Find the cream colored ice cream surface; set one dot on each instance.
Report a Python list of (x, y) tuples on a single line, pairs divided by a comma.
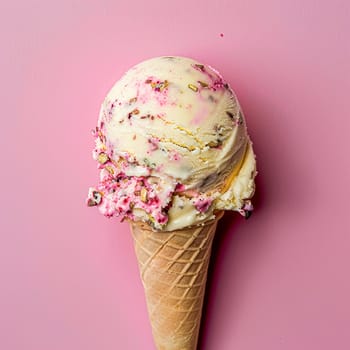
[(172, 146)]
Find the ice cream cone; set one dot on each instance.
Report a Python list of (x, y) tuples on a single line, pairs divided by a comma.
[(173, 267), (172, 147)]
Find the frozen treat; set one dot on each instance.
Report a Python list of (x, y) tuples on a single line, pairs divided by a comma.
[(174, 153)]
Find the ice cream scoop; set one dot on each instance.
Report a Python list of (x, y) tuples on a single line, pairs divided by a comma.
[(172, 147)]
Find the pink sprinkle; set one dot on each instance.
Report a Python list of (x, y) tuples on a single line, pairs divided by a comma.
[(202, 204), (248, 206), (180, 187), (174, 155), (154, 142), (222, 35)]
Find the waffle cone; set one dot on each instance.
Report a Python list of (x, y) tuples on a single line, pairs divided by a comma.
[(173, 267)]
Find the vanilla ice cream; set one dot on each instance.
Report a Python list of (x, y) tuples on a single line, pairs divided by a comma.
[(172, 146)]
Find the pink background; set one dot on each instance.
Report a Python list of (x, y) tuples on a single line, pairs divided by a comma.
[(68, 276)]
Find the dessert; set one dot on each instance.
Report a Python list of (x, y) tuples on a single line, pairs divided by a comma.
[(173, 152)]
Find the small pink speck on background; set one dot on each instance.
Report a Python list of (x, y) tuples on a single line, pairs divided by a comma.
[(222, 35)]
